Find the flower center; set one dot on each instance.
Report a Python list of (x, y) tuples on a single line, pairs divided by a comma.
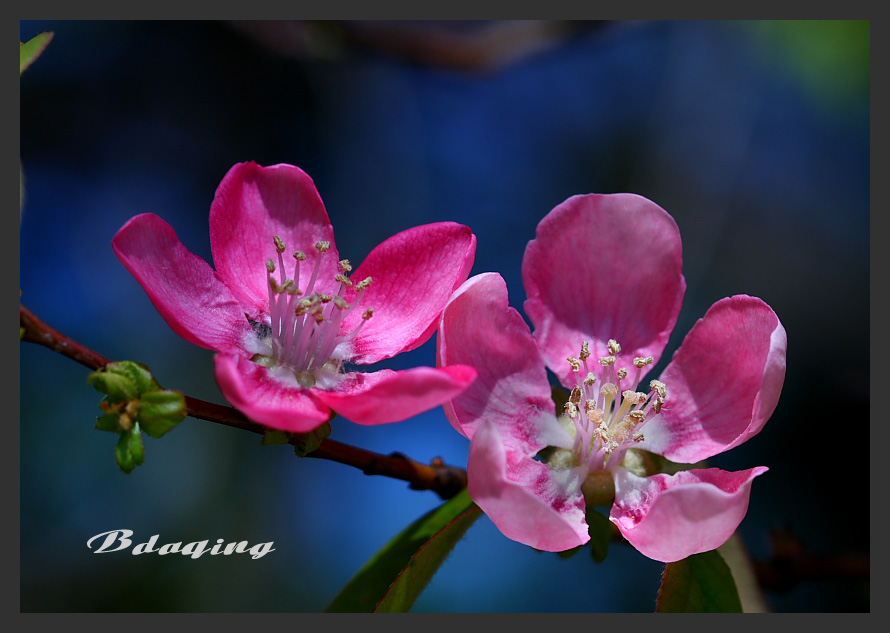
[(607, 412), (304, 325)]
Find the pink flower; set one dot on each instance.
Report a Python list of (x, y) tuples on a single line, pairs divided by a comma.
[(288, 317), (604, 285)]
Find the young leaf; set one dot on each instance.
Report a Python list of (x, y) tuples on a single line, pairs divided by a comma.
[(701, 583), (30, 50), (372, 582)]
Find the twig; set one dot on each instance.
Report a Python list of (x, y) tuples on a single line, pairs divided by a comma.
[(444, 480)]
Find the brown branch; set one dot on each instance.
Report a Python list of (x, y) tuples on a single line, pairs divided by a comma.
[(445, 480)]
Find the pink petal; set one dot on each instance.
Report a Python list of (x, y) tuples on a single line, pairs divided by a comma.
[(723, 383), (392, 396), (269, 397), (414, 273), (183, 288), (670, 517), (480, 329), (252, 205), (527, 501), (601, 267)]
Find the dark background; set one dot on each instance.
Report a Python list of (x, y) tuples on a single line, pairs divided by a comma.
[(754, 136)]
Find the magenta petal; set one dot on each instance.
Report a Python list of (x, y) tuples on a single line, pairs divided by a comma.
[(723, 383), (414, 273), (272, 398), (601, 267), (183, 288), (670, 517), (527, 501), (252, 205), (480, 329), (392, 396)]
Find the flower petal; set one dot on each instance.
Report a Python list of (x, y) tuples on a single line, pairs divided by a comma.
[(527, 501), (480, 329), (723, 382), (601, 267), (183, 288), (414, 273), (252, 205), (392, 396), (272, 398), (670, 517)]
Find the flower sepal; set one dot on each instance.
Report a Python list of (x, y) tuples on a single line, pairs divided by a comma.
[(129, 451)]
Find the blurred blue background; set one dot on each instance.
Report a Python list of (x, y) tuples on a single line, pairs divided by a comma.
[(754, 136)]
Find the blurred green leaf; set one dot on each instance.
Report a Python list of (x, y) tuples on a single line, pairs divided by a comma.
[(30, 50), (119, 388), (129, 450), (600, 530), (396, 575), (701, 583), (305, 443), (138, 373)]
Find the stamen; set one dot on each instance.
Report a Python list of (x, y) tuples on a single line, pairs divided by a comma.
[(614, 347), (585, 351), (575, 363), (345, 266)]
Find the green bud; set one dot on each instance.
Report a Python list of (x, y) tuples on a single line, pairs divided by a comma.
[(305, 443), (119, 388), (129, 450), (160, 411), (136, 372)]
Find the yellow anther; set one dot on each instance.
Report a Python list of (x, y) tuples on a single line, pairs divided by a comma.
[(340, 302), (585, 351), (343, 279), (614, 347), (368, 314), (637, 417), (622, 373), (575, 397), (590, 379), (363, 284), (322, 246), (575, 363), (571, 410), (279, 245), (641, 362), (659, 387), (345, 266), (605, 361), (270, 265), (656, 407), (634, 397), (300, 256), (323, 298)]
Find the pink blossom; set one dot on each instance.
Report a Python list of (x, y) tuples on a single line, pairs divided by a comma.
[(288, 317), (604, 284)]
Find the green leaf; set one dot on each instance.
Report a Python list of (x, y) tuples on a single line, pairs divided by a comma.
[(30, 50), (272, 437), (600, 530), (396, 575), (160, 411), (701, 583), (109, 422)]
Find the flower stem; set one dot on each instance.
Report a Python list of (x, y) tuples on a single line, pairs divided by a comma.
[(444, 480)]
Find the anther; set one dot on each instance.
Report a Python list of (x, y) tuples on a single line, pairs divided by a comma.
[(614, 347), (640, 362), (571, 410), (368, 314), (279, 245), (322, 246), (659, 387), (585, 351), (270, 266), (634, 397), (590, 379), (608, 389), (345, 266), (300, 256), (363, 284), (340, 302), (343, 279), (622, 373), (575, 397), (605, 361), (574, 362)]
